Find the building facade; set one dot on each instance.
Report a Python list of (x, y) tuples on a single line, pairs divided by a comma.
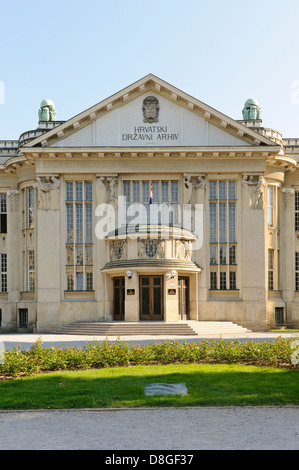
[(149, 206)]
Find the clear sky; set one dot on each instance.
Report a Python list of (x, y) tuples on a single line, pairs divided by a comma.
[(79, 52)]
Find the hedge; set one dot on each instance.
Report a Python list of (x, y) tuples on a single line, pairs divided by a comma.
[(278, 353)]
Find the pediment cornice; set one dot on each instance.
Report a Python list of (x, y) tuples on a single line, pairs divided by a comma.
[(164, 89)]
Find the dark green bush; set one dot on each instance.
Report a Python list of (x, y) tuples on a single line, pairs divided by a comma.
[(104, 354)]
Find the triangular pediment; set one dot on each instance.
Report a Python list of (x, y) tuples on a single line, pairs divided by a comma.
[(150, 113)]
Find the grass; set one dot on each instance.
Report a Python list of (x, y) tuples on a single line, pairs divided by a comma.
[(208, 385)]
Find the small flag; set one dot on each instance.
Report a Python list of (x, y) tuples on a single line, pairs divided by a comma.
[(151, 194)]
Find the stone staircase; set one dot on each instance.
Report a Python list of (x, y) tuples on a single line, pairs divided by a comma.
[(188, 328), (217, 328)]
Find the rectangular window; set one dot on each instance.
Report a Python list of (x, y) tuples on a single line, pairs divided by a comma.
[(232, 280), (30, 208), (270, 194), (213, 280), (271, 269), (297, 272), (297, 211), (222, 280), (79, 236), (164, 208), (223, 239), (31, 272), (3, 272), (3, 213)]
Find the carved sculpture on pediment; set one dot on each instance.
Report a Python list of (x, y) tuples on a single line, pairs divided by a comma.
[(255, 185), (47, 192)]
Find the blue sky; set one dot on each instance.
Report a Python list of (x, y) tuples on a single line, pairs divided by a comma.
[(78, 53)]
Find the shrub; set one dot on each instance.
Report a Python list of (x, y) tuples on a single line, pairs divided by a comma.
[(104, 354)]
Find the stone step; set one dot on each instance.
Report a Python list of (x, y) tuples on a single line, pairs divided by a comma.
[(191, 328)]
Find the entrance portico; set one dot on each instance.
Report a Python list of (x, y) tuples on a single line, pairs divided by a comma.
[(152, 276)]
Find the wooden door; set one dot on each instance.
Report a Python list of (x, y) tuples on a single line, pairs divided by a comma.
[(151, 298)]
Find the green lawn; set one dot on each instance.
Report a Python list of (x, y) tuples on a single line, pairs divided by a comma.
[(208, 385)]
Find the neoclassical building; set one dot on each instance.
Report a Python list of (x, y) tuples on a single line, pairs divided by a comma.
[(149, 206)]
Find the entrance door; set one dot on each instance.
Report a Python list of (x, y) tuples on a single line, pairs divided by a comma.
[(183, 285), (119, 298), (151, 298)]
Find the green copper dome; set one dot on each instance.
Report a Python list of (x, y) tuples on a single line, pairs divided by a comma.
[(251, 102), (49, 103)]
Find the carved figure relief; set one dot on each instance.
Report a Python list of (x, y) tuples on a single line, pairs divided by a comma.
[(183, 250), (255, 186), (47, 192), (194, 183), (151, 109), (106, 190)]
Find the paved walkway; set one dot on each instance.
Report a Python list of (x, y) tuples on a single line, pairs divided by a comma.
[(227, 428)]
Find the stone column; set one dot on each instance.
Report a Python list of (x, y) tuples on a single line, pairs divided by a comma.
[(288, 245)]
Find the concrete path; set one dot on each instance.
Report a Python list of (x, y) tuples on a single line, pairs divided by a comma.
[(235, 428)]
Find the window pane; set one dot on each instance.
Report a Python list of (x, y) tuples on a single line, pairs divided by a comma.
[(89, 257), (145, 192), (69, 191), (222, 223), (79, 278), (222, 190), (222, 255), (88, 191), (174, 191), (232, 190), (127, 191), (222, 281), (213, 223), (88, 223), (213, 281), (165, 197), (89, 281), (213, 255), (69, 223), (79, 223), (79, 191), (3, 204), (232, 222), (70, 281), (156, 191), (232, 254), (213, 194), (232, 280), (136, 191)]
